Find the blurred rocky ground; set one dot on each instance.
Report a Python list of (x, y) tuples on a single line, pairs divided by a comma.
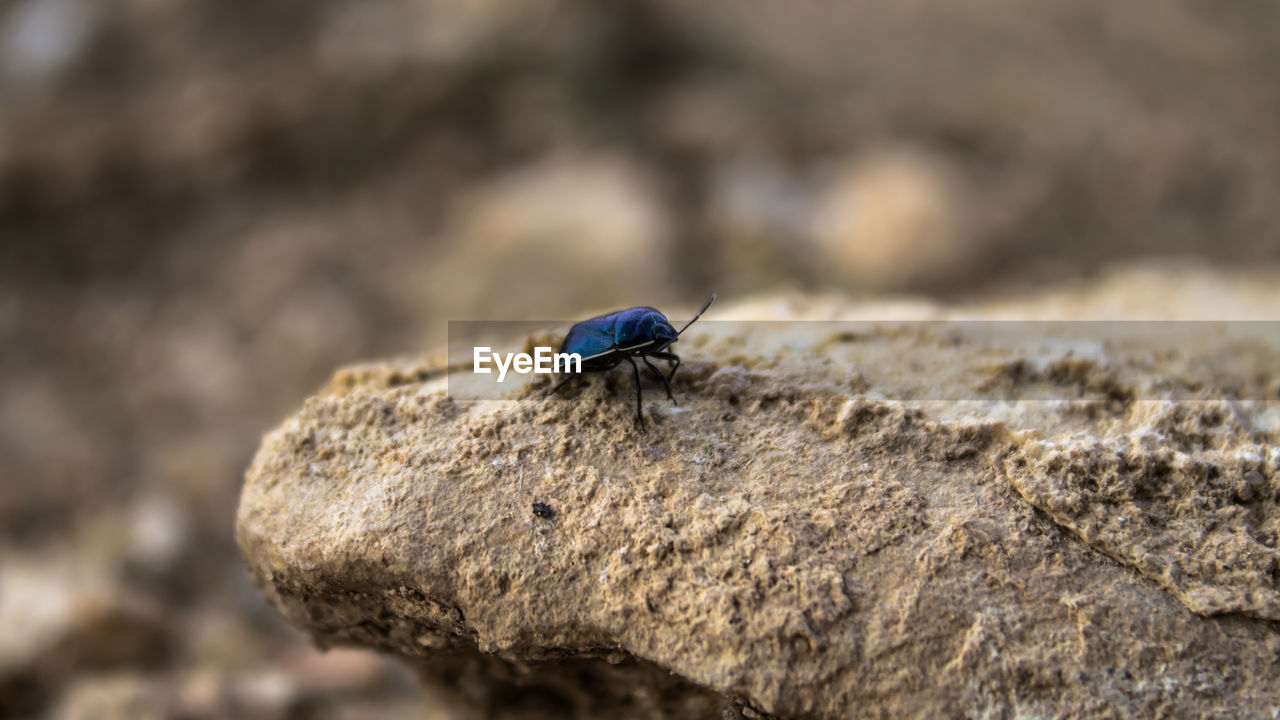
[(206, 205)]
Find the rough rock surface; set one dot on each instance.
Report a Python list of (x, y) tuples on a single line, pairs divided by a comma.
[(901, 519)]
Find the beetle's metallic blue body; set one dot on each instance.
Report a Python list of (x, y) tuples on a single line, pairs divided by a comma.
[(603, 342)]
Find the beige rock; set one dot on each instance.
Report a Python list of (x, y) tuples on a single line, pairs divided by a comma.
[(63, 617), (894, 219), (596, 223), (1040, 528), (113, 697)]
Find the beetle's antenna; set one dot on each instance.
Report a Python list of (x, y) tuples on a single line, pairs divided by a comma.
[(695, 317)]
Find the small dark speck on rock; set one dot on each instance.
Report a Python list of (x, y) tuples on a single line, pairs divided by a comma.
[(543, 510)]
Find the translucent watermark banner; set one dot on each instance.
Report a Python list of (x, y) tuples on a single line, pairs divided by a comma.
[(934, 360)]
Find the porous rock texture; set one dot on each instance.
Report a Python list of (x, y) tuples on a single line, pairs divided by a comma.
[(899, 520)]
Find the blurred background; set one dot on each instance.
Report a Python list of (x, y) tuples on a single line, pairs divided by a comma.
[(208, 205)]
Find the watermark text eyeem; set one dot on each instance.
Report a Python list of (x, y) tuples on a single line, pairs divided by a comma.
[(543, 361)]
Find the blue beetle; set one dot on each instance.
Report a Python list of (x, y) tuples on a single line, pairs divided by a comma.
[(643, 332)]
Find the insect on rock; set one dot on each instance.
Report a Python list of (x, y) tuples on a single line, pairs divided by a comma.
[(640, 332)]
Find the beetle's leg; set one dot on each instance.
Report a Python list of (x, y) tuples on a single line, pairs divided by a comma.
[(635, 370), (671, 357), (662, 377), (560, 384)]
